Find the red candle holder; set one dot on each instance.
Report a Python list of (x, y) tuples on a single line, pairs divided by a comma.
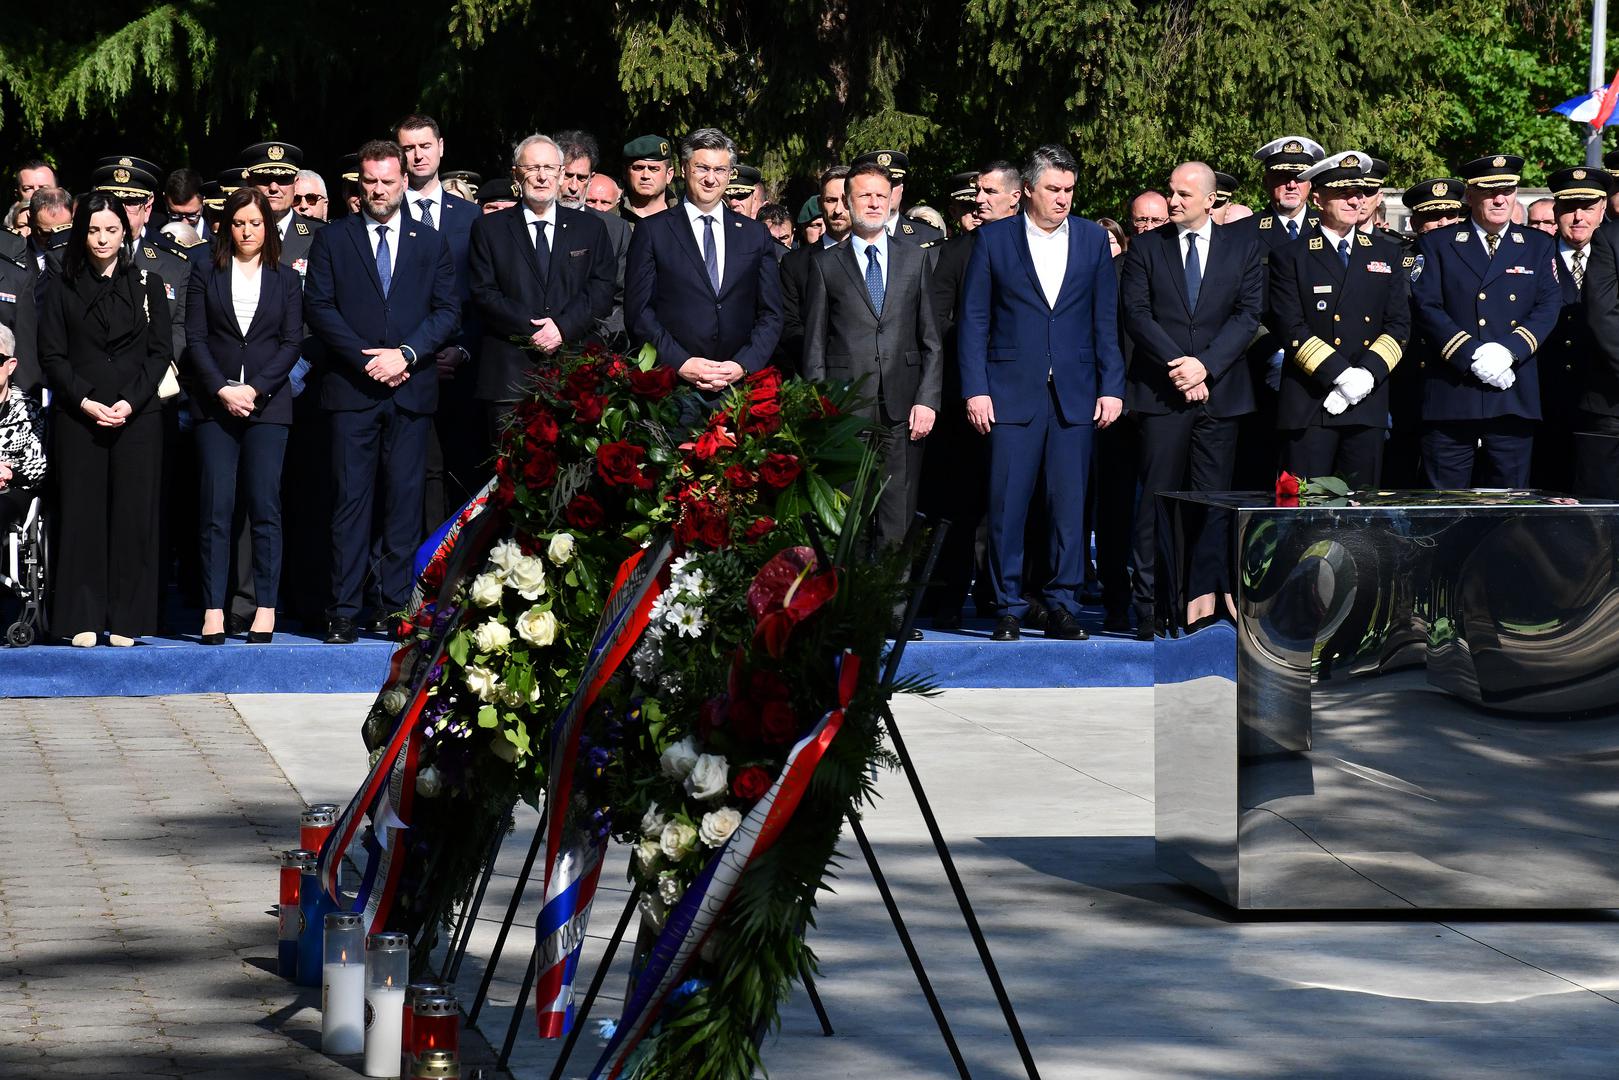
[(435, 1025), (413, 993), (315, 824)]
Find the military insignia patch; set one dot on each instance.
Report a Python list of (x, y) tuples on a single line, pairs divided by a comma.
[(884, 159), (125, 161), (906, 229), (275, 153), (1321, 305), (1439, 189), (120, 176), (168, 290), (1293, 146), (1365, 241), (1316, 243), (1499, 163), (303, 230), (1579, 174), (1266, 222), (1379, 267), (1349, 161), (8, 298), (663, 149), (1414, 263), (1517, 238), (1322, 289), (150, 253), (300, 265), (1461, 237)]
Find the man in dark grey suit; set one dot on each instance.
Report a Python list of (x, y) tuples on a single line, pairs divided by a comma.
[(869, 314)]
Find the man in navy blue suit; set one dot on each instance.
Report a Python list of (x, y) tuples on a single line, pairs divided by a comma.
[(381, 297), (455, 453), (1038, 345), (701, 282)]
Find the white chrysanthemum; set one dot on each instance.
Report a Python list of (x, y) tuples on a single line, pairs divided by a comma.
[(678, 567), (659, 609)]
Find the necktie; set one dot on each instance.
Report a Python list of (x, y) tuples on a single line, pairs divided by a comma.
[(385, 269), (874, 279), (1579, 269), (1194, 270), (1292, 229), (427, 212), (1492, 241), (542, 250), (711, 253), (1343, 252)]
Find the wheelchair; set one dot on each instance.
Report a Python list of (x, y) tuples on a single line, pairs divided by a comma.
[(24, 572)]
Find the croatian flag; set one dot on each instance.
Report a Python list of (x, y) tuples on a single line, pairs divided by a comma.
[(1595, 108)]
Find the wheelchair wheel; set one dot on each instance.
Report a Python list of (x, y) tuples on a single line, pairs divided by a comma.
[(19, 635)]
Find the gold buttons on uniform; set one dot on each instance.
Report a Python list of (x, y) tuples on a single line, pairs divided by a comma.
[(1368, 318), (1335, 318), (1337, 341), (1366, 343)]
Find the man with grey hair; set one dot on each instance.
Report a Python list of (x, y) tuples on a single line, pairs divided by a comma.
[(309, 195), (1188, 383), (702, 285), (1040, 371)]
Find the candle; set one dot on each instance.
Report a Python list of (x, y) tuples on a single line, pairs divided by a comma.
[(435, 1025), (387, 967), (413, 992), (292, 865), (437, 1065), (315, 824), (313, 905), (342, 985)]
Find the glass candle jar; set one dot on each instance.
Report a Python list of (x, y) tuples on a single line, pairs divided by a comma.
[(342, 984), (437, 1065), (292, 867), (313, 905), (315, 824), (387, 969), (435, 1024), (415, 991)]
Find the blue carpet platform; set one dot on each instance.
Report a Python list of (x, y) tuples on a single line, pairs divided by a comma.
[(301, 665)]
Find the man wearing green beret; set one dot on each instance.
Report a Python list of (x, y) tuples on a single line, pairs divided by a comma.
[(648, 170)]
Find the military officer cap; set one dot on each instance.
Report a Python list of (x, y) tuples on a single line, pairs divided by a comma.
[(1345, 169), (964, 188), (1377, 171), (1580, 184), (1610, 161), (280, 160), (810, 210), (130, 161), (1495, 171), (894, 161), (1290, 153), (124, 181), (647, 148), (1225, 186), (231, 179), (1432, 196), (743, 177), (348, 167), (466, 176), (213, 196), (500, 189)]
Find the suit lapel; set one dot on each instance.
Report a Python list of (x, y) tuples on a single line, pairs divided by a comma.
[(1070, 271), (267, 294), (1028, 257), (1325, 255), (1498, 265), (1171, 240), (687, 239), (519, 228), (1466, 241), (362, 244), (1213, 252), (219, 285), (731, 222), (844, 253)]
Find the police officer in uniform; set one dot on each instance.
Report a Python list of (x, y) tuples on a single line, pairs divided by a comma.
[(1225, 188), (897, 164), (746, 193), (962, 207), (18, 312), (1486, 299), (273, 167), (1581, 195), (1434, 204), (648, 168), (1341, 302)]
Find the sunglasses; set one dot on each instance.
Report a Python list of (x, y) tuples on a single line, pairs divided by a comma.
[(312, 198), (180, 215)]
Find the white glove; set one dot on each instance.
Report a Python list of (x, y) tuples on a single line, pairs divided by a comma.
[(1336, 403), (1492, 363), (1355, 383)]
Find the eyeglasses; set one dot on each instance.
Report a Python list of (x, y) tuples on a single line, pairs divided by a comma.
[(1148, 221), (711, 170), (192, 216), (313, 198), (539, 170)]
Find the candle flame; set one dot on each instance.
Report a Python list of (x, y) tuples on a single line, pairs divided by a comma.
[(387, 980), (343, 956)]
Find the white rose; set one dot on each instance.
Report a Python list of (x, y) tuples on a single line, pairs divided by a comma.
[(428, 783), (646, 855), (717, 826), (652, 822), (669, 888), (709, 777), (528, 578), (492, 637), (677, 839), (560, 549), (677, 761), (486, 590), (393, 701), (483, 682), (537, 627), (504, 556), (502, 747)]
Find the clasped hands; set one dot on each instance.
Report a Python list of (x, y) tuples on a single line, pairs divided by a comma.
[(238, 399), (1492, 365), (387, 366), (1188, 375), (711, 375), (112, 415), (546, 336), (1349, 389)]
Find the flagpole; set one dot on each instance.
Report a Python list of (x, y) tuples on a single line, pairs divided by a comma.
[(1599, 79)]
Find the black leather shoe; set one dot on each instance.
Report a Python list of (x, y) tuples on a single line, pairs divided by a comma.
[(341, 632), (1064, 627), (1035, 618), (260, 637), (212, 639), (947, 622), (1203, 624), (1006, 629)]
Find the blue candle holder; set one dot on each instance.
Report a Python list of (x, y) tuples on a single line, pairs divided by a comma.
[(313, 906)]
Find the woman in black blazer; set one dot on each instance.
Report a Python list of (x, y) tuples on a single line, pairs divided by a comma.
[(244, 326), (104, 345)]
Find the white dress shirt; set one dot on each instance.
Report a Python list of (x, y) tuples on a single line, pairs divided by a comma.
[(371, 234), (550, 219), (1332, 238), (879, 244), (1297, 217), (695, 216), (244, 291), (1203, 232), (285, 223), (1482, 232), (434, 198), (1566, 252), (1049, 250)]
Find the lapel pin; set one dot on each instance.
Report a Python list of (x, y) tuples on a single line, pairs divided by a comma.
[(1461, 238), (1321, 305)]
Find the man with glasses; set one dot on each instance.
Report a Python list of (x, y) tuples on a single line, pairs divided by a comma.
[(182, 201), (1148, 211), (309, 195), (648, 172), (580, 156)]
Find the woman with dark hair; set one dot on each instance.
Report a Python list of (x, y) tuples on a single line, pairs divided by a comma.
[(104, 345), (1117, 239), (244, 326)]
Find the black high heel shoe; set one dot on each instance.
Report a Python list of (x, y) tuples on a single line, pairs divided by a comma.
[(212, 639), (260, 637)]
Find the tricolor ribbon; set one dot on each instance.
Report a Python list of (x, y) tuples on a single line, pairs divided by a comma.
[(694, 918), (574, 850)]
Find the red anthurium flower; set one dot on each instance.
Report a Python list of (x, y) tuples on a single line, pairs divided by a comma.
[(787, 590)]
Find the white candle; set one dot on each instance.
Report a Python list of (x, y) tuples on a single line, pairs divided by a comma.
[(342, 1008), (384, 1029)]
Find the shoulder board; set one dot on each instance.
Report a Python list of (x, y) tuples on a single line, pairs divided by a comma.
[(1317, 243), (1365, 241), (178, 254), (303, 230), (1266, 222), (929, 243)]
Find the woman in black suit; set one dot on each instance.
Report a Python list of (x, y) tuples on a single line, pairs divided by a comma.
[(244, 325), (104, 345)]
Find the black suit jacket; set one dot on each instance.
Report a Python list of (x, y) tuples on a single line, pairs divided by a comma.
[(794, 284), (296, 244), (345, 307), (106, 340), (1155, 314), (1599, 385), (897, 353), (949, 269), (509, 292), (217, 351), (670, 303), (618, 235), (19, 307)]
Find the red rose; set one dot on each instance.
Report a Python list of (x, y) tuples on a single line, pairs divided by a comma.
[(658, 383), (715, 533), (1287, 485), (617, 368), (583, 512), (751, 783), (539, 467), (505, 492), (780, 470), (827, 408), (542, 426), (619, 464), (763, 385), (587, 408), (760, 529), (739, 477), (764, 417), (778, 723)]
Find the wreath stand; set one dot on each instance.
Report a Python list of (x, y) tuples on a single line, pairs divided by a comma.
[(463, 931)]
